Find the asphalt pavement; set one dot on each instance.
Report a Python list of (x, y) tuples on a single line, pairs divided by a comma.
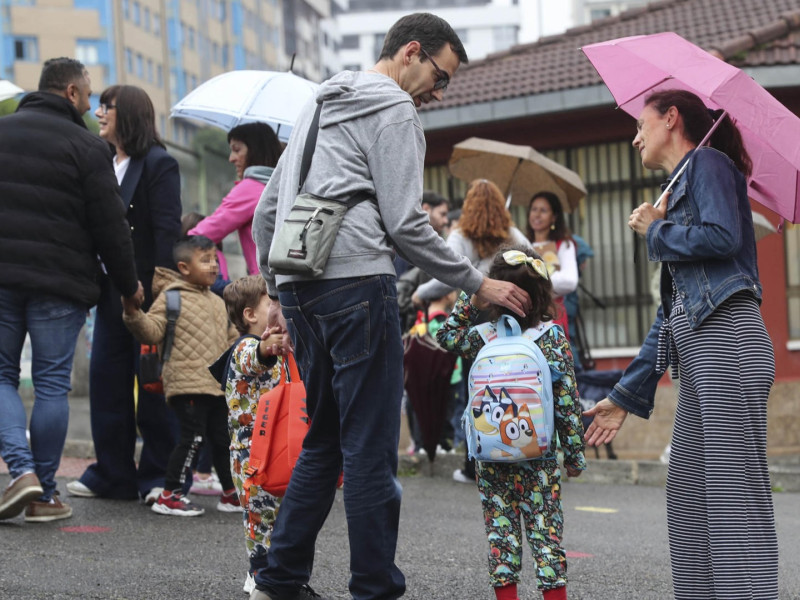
[(615, 536)]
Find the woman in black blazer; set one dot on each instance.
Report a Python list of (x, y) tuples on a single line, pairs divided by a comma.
[(150, 188)]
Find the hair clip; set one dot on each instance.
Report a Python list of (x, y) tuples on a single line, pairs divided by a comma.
[(515, 258)]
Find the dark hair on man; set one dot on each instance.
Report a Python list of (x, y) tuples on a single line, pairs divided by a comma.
[(186, 246), (434, 199), (136, 119), (430, 31), (263, 146), (539, 289), (58, 73), (560, 232), (245, 292), (698, 119)]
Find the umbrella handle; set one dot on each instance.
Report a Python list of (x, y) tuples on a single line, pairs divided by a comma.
[(683, 168)]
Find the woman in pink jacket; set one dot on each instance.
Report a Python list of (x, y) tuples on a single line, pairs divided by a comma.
[(255, 150)]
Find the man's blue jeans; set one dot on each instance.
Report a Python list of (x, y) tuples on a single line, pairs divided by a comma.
[(346, 334), (53, 324)]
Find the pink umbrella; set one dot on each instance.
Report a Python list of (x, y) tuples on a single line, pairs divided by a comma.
[(635, 66)]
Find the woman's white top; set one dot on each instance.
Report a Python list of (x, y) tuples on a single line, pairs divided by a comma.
[(121, 167)]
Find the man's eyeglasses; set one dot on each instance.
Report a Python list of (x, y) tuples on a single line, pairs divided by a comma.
[(104, 108), (442, 78)]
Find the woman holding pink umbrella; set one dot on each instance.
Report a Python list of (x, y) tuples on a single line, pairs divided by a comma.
[(709, 328)]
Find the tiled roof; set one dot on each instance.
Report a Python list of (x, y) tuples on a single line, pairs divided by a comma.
[(743, 32)]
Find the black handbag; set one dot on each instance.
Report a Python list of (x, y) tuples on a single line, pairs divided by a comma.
[(150, 363)]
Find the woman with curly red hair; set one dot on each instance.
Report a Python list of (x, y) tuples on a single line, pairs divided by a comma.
[(484, 226)]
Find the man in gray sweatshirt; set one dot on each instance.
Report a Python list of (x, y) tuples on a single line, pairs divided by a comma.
[(344, 325)]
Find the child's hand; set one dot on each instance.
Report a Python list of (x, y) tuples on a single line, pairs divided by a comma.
[(272, 342), (572, 471)]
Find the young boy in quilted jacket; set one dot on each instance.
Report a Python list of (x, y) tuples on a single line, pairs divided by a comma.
[(202, 333), (250, 369)]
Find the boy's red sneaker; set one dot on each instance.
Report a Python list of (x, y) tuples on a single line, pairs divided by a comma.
[(176, 505), (229, 502)]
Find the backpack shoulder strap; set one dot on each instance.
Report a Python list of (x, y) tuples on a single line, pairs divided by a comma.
[(534, 333), (173, 311)]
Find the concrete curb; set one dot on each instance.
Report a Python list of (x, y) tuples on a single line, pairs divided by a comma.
[(784, 474)]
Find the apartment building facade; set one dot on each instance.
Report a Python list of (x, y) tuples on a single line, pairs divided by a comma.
[(167, 47)]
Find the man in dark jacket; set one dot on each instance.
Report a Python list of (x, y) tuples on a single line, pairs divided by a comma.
[(60, 209)]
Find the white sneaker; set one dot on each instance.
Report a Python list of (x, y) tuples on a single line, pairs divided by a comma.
[(76, 488), (249, 584), (458, 475), (208, 486), (153, 495)]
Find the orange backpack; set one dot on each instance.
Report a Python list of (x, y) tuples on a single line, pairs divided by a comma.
[(279, 429)]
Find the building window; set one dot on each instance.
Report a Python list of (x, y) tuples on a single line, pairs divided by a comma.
[(137, 13), (791, 236), (163, 121), (128, 60), (463, 35), (87, 52), (126, 9), (599, 13), (146, 19), (140, 66), (352, 67), (350, 42), (26, 49), (156, 24), (160, 76), (504, 37), (149, 70), (225, 55), (215, 52), (191, 40)]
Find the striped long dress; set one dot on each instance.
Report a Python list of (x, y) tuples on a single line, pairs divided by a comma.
[(719, 500)]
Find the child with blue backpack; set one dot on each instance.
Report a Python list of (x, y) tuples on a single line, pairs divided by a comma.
[(521, 392)]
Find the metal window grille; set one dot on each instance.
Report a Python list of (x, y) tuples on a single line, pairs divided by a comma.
[(616, 183)]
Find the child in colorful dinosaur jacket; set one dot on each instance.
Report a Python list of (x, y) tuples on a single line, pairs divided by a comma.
[(511, 492), (250, 369)]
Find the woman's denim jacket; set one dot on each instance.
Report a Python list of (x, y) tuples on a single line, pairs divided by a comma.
[(707, 246)]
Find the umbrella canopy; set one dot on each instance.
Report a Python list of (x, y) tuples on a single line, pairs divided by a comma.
[(519, 171), (428, 369), (8, 90), (238, 97), (635, 66)]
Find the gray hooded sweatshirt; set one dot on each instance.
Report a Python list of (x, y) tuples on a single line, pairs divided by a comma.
[(370, 138)]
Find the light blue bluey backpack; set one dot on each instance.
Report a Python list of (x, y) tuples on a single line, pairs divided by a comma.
[(510, 416)]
